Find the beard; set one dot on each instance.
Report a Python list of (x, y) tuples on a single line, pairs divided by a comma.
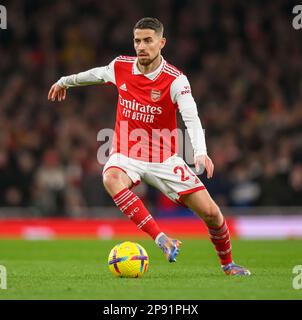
[(146, 61)]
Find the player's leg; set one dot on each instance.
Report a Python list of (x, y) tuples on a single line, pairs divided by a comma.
[(203, 205), (118, 184), (178, 182), (115, 180), (169, 246)]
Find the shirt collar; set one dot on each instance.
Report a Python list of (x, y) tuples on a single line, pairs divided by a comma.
[(152, 75)]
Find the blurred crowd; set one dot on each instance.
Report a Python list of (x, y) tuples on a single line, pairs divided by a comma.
[(243, 60)]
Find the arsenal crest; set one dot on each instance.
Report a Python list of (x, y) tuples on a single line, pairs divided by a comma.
[(155, 95)]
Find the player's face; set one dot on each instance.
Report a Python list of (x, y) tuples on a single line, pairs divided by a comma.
[(147, 44)]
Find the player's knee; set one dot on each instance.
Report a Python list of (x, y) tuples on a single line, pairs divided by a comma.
[(111, 180), (211, 213)]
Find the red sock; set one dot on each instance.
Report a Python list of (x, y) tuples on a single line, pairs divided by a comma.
[(131, 205), (220, 237)]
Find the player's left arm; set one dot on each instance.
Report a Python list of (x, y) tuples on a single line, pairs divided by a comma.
[(181, 94)]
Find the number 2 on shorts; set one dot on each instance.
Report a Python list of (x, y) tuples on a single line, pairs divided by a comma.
[(182, 170)]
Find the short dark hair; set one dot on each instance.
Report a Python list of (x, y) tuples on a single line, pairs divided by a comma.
[(150, 23)]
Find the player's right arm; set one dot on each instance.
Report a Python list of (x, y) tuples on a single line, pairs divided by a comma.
[(90, 77)]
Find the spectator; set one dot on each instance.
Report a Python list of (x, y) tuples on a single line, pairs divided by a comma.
[(244, 63)]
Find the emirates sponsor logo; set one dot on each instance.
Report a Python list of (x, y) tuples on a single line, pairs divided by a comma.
[(155, 95), (136, 106)]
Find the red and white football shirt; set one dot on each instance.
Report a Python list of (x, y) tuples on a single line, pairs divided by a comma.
[(146, 115), (146, 127)]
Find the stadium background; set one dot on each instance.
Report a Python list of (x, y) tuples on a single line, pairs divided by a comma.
[(243, 60)]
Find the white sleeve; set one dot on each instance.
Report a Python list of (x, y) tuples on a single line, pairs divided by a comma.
[(181, 94), (93, 76)]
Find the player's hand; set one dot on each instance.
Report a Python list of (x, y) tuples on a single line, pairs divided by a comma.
[(56, 92), (206, 162)]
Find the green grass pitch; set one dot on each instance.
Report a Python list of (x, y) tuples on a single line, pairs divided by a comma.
[(77, 269)]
